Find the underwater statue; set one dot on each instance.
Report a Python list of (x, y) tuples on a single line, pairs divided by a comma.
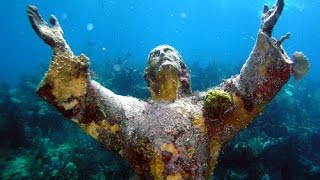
[(176, 134)]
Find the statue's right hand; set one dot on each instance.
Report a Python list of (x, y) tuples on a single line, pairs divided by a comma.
[(50, 35)]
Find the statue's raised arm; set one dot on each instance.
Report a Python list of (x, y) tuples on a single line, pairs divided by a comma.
[(266, 70), (68, 87)]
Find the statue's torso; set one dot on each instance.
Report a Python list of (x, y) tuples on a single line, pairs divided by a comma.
[(169, 140)]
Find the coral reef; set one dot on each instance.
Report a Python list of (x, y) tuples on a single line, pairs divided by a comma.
[(217, 103), (38, 144), (278, 145)]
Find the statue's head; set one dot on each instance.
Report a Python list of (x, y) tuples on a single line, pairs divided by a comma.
[(166, 74)]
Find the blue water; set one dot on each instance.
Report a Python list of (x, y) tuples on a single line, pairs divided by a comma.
[(201, 31)]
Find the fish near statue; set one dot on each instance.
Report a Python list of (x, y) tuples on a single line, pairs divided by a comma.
[(176, 134)]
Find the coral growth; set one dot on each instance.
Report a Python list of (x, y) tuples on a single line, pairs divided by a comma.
[(217, 103), (301, 65)]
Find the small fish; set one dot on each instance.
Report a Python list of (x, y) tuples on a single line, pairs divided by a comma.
[(92, 43), (288, 92)]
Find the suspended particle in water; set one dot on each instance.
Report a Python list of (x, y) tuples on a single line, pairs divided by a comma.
[(104, 49), (89, 26), (183, 15), (64, 15)]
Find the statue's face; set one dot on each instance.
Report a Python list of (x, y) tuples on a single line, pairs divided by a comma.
[(165, 73), (165, 57)]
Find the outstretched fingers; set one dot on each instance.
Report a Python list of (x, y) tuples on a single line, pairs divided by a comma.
[(271, 16), (35, 19), (50, 35), (55, 24), (265, 8)]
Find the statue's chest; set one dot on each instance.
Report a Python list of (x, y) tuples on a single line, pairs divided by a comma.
[(172, 137), (172, 122)]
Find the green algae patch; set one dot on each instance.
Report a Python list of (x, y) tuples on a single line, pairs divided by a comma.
[(217, 103)]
